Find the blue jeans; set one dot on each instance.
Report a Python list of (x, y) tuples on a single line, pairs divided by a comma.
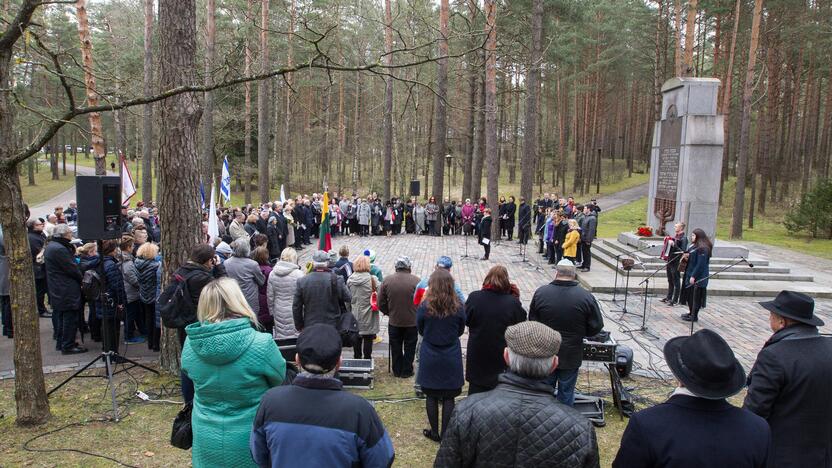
[(564, 381)]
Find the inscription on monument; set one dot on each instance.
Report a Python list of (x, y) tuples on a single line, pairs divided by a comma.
[(667, 180)]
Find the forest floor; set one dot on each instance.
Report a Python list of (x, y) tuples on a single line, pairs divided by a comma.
[(768, 227), (80, 411)]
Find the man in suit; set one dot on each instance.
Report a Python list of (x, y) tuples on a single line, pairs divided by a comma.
[(697, 427), (789, 384)]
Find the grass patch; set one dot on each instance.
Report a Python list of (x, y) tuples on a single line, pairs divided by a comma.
[(45, 188), (141, 438), (768, 227)]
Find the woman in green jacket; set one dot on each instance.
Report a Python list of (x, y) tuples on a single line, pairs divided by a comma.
[(232, 365)]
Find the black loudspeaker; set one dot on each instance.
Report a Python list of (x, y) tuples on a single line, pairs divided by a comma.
[(624, 360), (99, 207), (415, 187)]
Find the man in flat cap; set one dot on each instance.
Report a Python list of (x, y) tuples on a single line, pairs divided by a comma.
[(790, 382), (697, 427), (520, 423), (313, 422)]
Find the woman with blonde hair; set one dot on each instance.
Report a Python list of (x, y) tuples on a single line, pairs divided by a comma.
[(362, 284), (231, 365), (146, 265), (570, 243), (440, 320), (280, 294)]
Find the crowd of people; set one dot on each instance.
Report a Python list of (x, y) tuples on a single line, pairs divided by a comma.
[(263, 337)]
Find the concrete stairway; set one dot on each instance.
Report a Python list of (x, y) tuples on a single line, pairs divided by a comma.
[(763, 280)]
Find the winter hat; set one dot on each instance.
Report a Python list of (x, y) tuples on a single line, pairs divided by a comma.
[(223, 248), (372, 254), (533, 340), (403, 263)]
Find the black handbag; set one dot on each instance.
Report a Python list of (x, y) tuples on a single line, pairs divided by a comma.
[(182, 436), (347, 325)]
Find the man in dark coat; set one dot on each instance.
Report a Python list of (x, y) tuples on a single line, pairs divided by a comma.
[(315, 300), (524, 220), (697, 427), (485, 233), (589, 226), (64, 285), (37, 240), (510, 212), (789, 384), (395, 299), (520, 423), (569, 309)]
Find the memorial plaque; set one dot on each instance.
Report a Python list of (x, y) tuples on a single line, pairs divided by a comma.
[(667, 179)]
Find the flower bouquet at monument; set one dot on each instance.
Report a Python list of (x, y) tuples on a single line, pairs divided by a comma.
[(644, 231)]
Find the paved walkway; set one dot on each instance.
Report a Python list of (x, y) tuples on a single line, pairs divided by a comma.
[(741, 321), (62, 199), (614, 200)]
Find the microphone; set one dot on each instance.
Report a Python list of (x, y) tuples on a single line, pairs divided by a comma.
[(750, 265)]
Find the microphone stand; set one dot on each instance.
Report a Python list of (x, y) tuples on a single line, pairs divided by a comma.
[(646, 297), (615, 281), (726, 267)]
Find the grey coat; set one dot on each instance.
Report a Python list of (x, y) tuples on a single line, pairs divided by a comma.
[(432, 211), (364, 214), (131, 278), (248, 275), (361, 287), (280, 293), (419, 216), (589, 225)]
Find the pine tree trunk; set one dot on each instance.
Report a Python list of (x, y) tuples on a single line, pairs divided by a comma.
[(745, 123), (208, 112), (440, 145), (690, 37), (726, 99), (31, 402), (97, 134), (388, 101), (178, 152), (479, 154), (473, 92), (263, 108), (492, 155), (530, 150), (147, 109)]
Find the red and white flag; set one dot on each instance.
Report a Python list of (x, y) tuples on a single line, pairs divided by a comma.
[(128, 189)]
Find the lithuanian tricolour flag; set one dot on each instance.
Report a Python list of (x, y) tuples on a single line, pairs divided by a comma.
[(325, 242)]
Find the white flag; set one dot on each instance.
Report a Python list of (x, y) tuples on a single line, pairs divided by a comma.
[(225, 181), (213, 226), (282, 194), (127, 187)]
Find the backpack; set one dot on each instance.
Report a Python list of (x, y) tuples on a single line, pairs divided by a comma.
[(176, 308), (92, 286)]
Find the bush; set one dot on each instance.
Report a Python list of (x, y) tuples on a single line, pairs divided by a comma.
[(813, 213)]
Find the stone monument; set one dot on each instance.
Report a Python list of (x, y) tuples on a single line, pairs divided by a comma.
[(686, 157)]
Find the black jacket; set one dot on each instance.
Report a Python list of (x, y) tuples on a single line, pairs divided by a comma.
[(789, 387), (691, 432), (510, 210), (675, 254), (276, 232), (561, 229), (519, 423), (568, 308), (485, 229), (115, 286), (36, 243), (524, 216), (487, 315), (63, 278), (197, 277)]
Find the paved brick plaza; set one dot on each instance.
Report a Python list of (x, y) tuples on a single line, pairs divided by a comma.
[(740, 320)]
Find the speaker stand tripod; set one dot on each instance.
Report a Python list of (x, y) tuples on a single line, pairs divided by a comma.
[(110, 360), (465, 256)]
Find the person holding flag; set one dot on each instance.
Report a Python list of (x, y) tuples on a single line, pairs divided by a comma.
[(324, 235)]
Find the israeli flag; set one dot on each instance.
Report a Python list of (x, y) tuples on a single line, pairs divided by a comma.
[(225, 182)]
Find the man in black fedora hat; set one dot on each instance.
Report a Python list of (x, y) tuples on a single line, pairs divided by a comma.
[(789, 384), (697, 427)]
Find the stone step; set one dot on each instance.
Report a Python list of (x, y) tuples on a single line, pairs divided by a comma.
[(601, 280), (623, 249), (737, 272), (653, 263)]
